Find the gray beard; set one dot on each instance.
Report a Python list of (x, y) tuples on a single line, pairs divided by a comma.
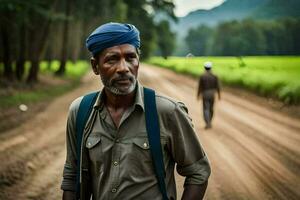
[(116, 90)]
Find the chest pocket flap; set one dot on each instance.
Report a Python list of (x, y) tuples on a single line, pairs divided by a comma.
[(92, 141), (142, 143)]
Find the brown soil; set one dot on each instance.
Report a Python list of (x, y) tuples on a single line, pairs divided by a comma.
[(292, 110), (253, 147), (11, 117)]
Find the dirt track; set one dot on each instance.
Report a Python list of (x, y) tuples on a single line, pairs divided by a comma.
[(254, 151)]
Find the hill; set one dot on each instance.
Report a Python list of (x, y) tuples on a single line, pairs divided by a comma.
[(238, 10), (274, 9)]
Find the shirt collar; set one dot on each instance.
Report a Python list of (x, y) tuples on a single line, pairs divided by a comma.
[(139, 98), (99, 101)]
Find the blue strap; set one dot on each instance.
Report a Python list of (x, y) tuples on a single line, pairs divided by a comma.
[(153, 132), (84, 111)]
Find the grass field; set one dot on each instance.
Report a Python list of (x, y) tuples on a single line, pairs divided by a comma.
[(276, 76), (73, 70), (44, 91)]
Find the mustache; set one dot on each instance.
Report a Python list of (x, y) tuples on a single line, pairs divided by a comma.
[(123, 77)]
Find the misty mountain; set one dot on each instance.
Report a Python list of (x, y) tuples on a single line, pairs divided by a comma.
[(274, 9), (237, 10)]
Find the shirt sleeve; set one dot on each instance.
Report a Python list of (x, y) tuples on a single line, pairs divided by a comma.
[(199, 86), (69, 172), (186, 149), (218, 84)]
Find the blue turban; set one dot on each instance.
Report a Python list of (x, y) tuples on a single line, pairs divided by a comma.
[(112, 34)]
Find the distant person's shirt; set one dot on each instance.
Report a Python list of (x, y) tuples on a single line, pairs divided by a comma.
[(120, 163), (208, 85)]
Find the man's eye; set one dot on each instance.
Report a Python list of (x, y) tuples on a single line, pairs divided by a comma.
[(131, 57), (111, 60)]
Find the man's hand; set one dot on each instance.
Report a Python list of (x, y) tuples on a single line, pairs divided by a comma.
[(194, 192), (69, 195)]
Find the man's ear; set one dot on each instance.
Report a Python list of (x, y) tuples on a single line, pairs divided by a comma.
[(95, 65)]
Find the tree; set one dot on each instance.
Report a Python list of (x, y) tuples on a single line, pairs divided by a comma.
[(274, 37), (198, 40), (39, 31), (239, 38), (254, 40), (34, 26), (141, 14), (166, 39), (291, 41), (22, 29), (65, 39), (7, 14)]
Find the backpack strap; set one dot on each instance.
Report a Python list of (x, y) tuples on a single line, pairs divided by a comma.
[(84, 111), (153, 132), (152, 126)]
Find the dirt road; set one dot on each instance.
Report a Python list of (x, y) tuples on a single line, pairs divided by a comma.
[(254, 150)]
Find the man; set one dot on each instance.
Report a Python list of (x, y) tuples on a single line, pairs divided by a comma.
[(115, 156), (208, 85)]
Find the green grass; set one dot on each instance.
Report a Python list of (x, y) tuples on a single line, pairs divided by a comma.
[(276, 76), (73, 70), (73, 74), (34, 96)]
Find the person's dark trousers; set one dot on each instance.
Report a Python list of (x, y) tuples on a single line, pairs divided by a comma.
[(208, 110)]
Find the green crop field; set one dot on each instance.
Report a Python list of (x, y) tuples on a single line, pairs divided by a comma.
[(276, 76)]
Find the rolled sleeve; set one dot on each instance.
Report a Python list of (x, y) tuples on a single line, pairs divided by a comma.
[(196, 173), (186, 149), (69, 178)]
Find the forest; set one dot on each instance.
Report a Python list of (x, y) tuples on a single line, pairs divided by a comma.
[(33, 31), (247, 37)]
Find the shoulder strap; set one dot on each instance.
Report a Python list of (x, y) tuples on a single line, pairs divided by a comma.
[(84, 111), (153, 132)]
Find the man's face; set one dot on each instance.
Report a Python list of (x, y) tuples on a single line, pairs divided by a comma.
[(118, 68)]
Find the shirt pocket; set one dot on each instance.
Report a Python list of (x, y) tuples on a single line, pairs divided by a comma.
[(139, 163), (93, 145), (141, 149)]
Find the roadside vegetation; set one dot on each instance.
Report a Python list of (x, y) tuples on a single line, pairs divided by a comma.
[(272, 76), (48, 87)]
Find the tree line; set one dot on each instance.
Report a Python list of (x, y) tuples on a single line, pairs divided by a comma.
[(247, 37), (34, 30)]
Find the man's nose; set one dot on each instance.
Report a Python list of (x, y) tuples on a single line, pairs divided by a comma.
[(123, 67)]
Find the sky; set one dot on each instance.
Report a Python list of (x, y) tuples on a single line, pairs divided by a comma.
[(183, 7)]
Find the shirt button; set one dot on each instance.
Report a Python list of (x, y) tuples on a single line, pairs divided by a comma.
[(116, 163), (145, 145), (117, 140), (114, 190)]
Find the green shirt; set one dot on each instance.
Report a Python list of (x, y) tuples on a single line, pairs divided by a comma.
[(118, 158)]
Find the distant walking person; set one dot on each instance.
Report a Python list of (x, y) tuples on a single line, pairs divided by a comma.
[(208, 86)]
